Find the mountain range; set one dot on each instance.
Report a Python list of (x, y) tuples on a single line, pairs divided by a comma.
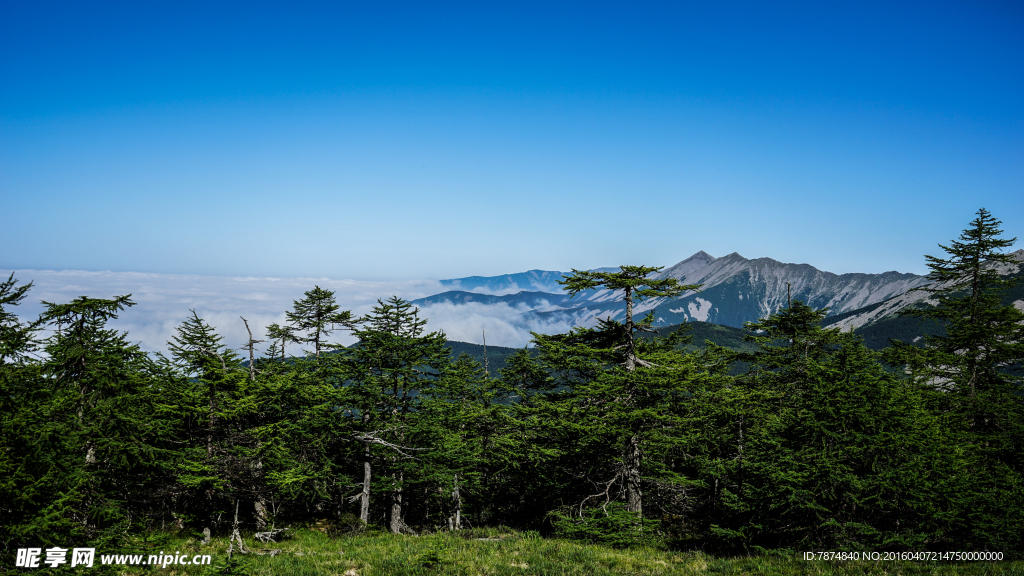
[(734, 290), (879, 322)]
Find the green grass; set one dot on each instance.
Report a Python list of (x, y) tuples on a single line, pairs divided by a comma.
[(503, 552)]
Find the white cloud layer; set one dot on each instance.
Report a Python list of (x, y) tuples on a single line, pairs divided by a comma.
[(163, 301), (505, 325)]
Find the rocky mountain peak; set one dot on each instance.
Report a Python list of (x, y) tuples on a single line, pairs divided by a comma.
[(688, 267), (701, 255)]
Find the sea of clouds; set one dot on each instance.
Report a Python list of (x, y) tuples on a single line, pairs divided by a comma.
[(163, 301)]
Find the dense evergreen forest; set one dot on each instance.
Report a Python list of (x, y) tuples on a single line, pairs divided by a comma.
[(607, 434)]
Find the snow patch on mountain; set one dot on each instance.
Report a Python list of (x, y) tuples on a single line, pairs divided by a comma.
[(699, 309)]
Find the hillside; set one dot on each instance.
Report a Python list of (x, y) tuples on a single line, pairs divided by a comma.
[(734, 290), (880, 322), (700, 332)]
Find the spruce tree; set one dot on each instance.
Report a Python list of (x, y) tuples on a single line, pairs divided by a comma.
[(277, 333), (17, 339), (623, 388), (100, 416), (30, 481), (298, 422), (393, 362), (199, 351), (215, 466), (317, 315), (984, 341), (818, 444), (973, 375), (459, 415), (636, 285), (537, 468)]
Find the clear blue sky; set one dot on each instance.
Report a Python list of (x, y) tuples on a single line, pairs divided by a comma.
[(393, 140)]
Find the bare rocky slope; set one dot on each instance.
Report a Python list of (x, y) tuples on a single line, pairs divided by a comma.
[(881, 320), (734, 290)]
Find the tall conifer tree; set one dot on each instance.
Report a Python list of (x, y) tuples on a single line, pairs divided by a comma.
[(833, 450), (101, 410), (622, 385), (317, 315), (388, 369), (29, 481), (215, 467), (973, 374)]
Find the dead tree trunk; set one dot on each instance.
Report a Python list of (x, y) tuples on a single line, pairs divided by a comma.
[(236, 536), (458, 505), (368, 438), (364, 497), (741, 458), (455, 520), (261, 514), (250, 345), (631, 451), (487, 365), (396, 505), (631, 359), (634, 497)]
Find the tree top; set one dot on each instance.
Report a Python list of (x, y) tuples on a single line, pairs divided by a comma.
[(631, 279)]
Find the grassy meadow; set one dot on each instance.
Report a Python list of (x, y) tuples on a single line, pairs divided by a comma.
[(500, 552)]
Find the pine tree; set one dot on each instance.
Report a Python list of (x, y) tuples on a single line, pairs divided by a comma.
[(101, 409), (389, 368), (623, 387), (17, 340), (834, 451), (972, 374), (318, 316), (206, 390)]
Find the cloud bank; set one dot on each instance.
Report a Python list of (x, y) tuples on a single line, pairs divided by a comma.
[(163, 301), (505, 325)]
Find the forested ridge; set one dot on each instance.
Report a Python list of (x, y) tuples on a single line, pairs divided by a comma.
[(615, 434)]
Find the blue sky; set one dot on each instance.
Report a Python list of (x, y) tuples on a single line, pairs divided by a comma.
[(395, 140)]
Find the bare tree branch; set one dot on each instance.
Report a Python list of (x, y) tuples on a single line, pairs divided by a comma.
[(250, 345)]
